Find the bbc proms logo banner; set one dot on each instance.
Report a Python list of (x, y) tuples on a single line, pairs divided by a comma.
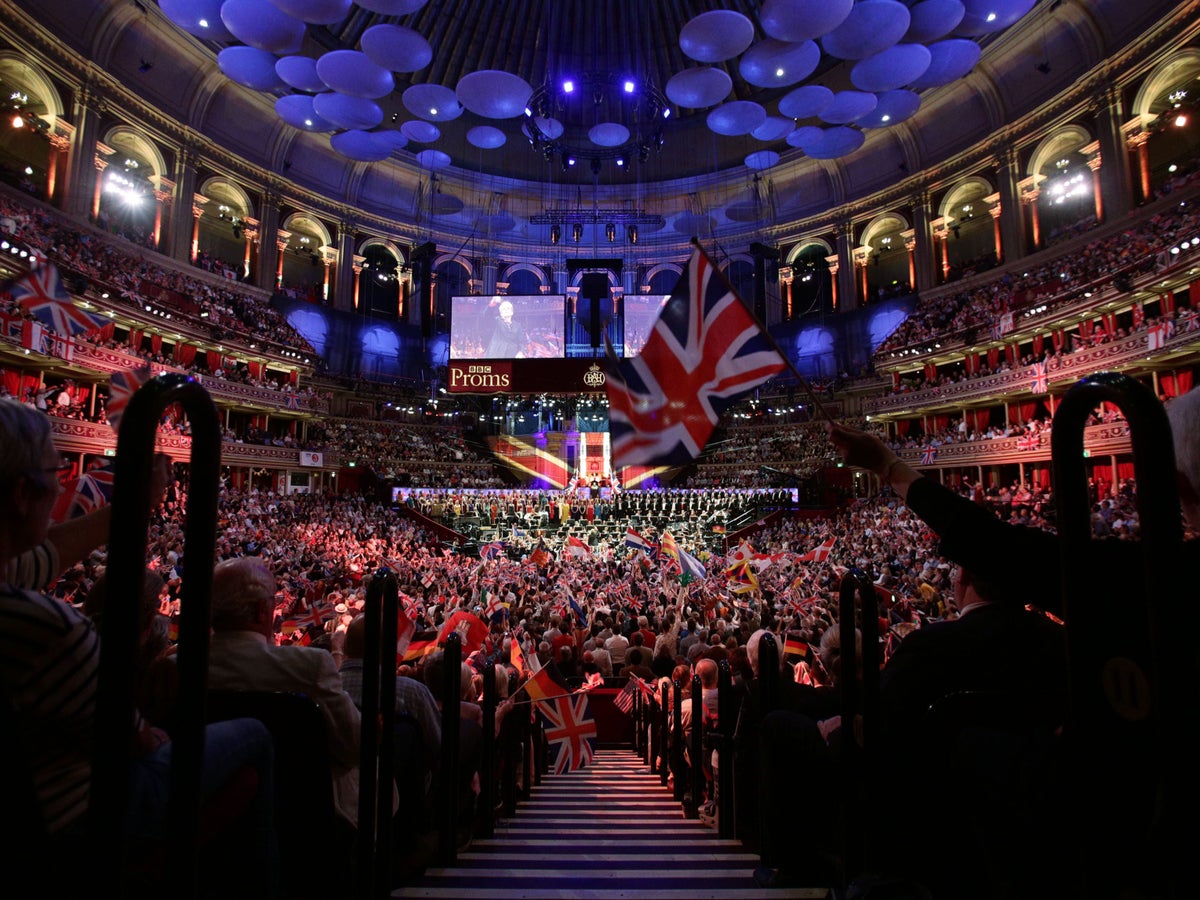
[(312, 458)]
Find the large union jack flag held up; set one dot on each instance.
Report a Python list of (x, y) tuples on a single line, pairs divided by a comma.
[(570, 731), (704, 352), (41, 293)]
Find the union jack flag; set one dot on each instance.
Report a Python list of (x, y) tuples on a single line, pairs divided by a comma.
[(85, 494), (1041, 381), (928, 455), (1029, 442), (291, 402), (491, 550), (41, 293), (570, 731), (704, 352), (121, 386)]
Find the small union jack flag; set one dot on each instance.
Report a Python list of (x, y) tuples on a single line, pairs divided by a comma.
[(492, 550), (86, 494), (122, 386), (570, 731), (41, 293), (1041, 381), (704, 353), (291, 402), (928, 455), (1029, 442)]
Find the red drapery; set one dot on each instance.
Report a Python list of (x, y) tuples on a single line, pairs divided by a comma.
[(135, 338), (978, 419), (106, 333), (1020, 413), (1167, 302), (902, 426), (156, 343), (1039, 344), (214, 360), (256, 369), (1175, 385), (993, 357), (294, 376), (185, 354)]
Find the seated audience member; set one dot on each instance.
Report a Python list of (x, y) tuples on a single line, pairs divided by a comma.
[(244, 657), (637, 665), (49, 676)]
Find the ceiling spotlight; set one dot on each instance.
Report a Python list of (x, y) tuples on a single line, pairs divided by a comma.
[(555, 234), (610, 232), (577, 232), (629, 87), (631, 232), (568, 87)]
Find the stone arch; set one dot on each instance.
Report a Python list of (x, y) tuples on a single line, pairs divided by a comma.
[(31, 80), (650, 273), (309, 224), (968, 191), (134, 144), (883, 224), (220, 191), (391, 249), (804, 244), (1062, 141), (1170, 73), (537, 271)]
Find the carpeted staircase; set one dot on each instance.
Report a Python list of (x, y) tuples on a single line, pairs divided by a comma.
[(608, 831)]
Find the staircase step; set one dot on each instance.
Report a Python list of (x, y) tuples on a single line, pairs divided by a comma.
[(609, 832)]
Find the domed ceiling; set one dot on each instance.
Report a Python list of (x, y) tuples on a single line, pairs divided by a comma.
[(594, 90)]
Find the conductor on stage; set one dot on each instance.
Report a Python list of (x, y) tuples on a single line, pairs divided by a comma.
[(508, 339)]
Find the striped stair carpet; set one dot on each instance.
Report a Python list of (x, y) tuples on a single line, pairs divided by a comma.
[(606, 832)]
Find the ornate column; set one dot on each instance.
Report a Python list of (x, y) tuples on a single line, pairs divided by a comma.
[(100, 163), (1030, 197), (1012, 224), (198, 201), (910, 246), (162, 203), (345, 288), (358, 268), (922, 231), (832, 262), (941, 235), (1097, 191), (281, 241), (490, 271), (251, 231), (846, 273), (996, 211), (60, 154), (81, 171), (328, 258), (862, 258), (183, 238), (1139, 141), (786, 275), (1114, 174), (268, 225)]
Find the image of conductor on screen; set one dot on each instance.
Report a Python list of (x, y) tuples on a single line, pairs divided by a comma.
[(508, 339)]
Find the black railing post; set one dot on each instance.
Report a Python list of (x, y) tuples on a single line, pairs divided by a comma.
[(664, 733), (368, 781), (113, 736), (724, 774), (691, 809), (527, 760), (449, 772), (487, 766)]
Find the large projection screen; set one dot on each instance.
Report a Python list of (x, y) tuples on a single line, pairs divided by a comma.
[(510, 327), (641, 312)]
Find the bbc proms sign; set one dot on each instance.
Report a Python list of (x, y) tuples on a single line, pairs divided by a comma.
[(312, 458), (525, 376)]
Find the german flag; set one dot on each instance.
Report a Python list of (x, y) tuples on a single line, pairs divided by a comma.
[(422, 644), (545, 683), (793, 646)]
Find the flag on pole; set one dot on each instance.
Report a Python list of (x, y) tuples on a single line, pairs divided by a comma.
[(741, 578), (541, 556), (544, 683), (624, 699), (405, 629), (570, 731), (635, 541), (704, 353), (577, 548), (420, 644), (470, 627), (41, 293), (820, 553)]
